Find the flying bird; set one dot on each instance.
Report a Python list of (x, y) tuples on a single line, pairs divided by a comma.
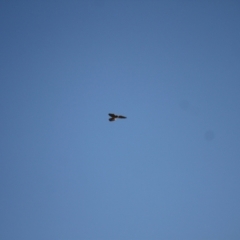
[(113, 117)]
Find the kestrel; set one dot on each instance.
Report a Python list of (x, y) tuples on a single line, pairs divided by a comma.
[(113, 117)]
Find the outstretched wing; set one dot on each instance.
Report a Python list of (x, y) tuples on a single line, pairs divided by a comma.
[(120, 116), (111, 119), (112, 115)]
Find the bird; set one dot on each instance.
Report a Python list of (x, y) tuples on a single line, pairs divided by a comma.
[(113, 117)]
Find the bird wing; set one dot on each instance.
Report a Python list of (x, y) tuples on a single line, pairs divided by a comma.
[(112, 115), (120, 116), (111, 119)]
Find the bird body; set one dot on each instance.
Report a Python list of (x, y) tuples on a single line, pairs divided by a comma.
[(113, 117)]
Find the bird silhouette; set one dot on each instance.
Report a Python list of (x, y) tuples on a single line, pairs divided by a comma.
[(113, 117)]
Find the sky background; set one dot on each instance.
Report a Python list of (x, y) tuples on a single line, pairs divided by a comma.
[(170, 171)]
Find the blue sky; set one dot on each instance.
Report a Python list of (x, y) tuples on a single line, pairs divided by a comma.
[(170, 170)]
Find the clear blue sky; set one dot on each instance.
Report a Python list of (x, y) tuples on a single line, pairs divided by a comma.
[(170, 171)]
